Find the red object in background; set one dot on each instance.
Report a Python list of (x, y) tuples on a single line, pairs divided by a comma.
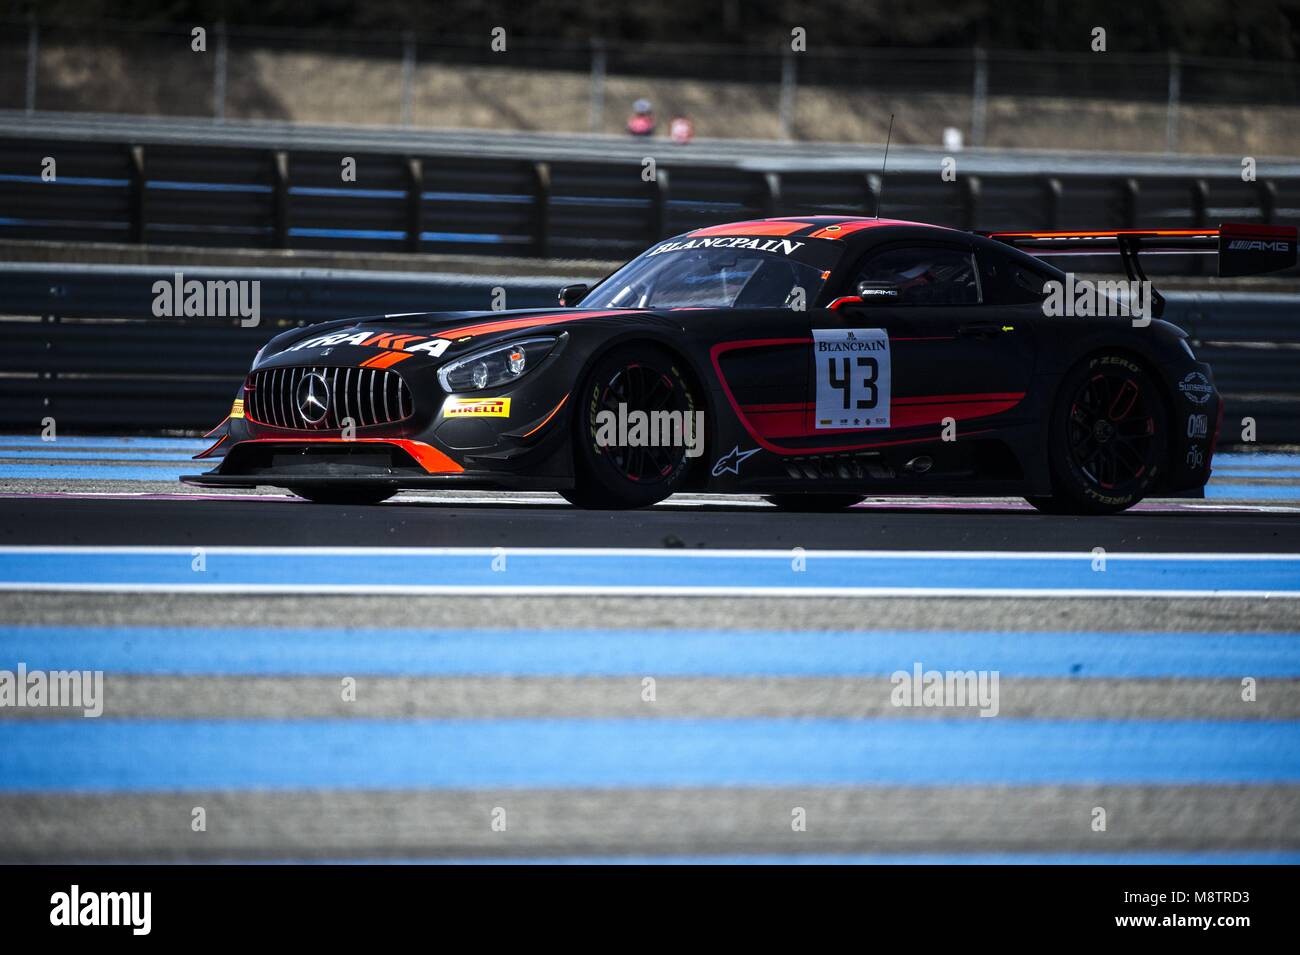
[(641, 124), (681, 130)]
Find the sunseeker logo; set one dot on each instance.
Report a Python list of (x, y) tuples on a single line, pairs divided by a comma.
[(74, 907), (782, 246), (64, 689), (179, 297), (1107, 299)]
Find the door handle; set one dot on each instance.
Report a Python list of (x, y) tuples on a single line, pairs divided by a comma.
[(979, 329)]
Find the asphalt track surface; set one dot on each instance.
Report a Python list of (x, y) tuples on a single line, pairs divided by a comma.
[(499, 649)]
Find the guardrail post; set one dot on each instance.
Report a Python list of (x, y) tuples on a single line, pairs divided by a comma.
[(659, 187), (33, 57), (279, 199), (1200, 203), (979, 98), (872, 185), (1267, 199), (1052, 196), (1129, 202), (597, 106), (136, 193), (970, 201), (787, 94), (541, 209), (414, 203), (772, 193)]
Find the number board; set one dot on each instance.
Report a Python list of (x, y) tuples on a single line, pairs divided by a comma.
[(852, 377)]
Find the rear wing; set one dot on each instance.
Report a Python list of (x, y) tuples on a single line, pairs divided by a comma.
[(1243, 249)]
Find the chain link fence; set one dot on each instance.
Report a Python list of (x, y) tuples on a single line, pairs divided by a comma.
[(990, 98)]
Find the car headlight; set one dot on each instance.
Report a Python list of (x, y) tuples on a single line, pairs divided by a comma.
[(496, 366)]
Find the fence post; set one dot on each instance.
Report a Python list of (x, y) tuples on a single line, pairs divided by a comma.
[(979, 98), (659, 187), (136, 193), (279, 199), (541, 209), (971, 201), (408, 78), (1052, 194), (787, 94), (597, 107), (33, 54), (219, 77), (771, 193), (1171, 110), (414, 203)]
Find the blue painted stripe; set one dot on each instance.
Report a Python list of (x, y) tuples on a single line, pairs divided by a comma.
[(1256, 459), (95, 472), (1252, 492), (377, 569), (1257, 473), (1210, 857), (499, 652), (150, 755), (124, 454), (102, 441)]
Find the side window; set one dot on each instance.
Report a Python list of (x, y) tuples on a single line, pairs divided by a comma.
[(925, 275), (1009, 281)]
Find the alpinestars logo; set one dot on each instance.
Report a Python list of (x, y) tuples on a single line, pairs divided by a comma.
[(730, 462)]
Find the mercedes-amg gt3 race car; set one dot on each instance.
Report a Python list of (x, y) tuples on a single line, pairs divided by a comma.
[(816, 360)]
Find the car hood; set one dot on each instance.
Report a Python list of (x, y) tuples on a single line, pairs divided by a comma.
[(426, 336)]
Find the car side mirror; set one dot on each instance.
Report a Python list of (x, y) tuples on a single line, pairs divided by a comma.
[(879, 293), (571, 295)]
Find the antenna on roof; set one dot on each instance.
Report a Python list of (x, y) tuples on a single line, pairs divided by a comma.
[(884, 162)]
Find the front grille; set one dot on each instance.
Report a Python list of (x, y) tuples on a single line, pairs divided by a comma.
[(369, 396)]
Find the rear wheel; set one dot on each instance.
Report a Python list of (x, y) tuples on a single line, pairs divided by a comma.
[(813, 503), (325, 494), (615, 463), (1108, 438)]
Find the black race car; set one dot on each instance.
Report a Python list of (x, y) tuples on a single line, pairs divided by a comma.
[(816, 360)]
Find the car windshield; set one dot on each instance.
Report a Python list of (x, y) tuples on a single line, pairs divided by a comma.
[(721, 272)]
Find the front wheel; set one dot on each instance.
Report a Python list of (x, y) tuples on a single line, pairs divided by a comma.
[(1108, 438), (635, 421), (325, 494)]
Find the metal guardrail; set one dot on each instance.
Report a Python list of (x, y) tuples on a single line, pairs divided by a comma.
[(214, 196), (81, 344)]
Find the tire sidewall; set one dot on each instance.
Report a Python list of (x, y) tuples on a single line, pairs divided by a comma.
[(1068, 478), (599, 482)]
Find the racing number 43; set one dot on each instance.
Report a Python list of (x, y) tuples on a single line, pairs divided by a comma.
[(853, 377), (842, 377)]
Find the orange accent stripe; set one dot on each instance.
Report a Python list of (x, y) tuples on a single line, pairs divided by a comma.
[(385, 359), (218, 425), (547, 419), (207, 451), (1103, 234), (505, 325), (428, 457)]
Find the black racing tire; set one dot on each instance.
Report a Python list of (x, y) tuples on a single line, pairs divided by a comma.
[(643, 377), (342, 494), (1108, 440), (813, 503)]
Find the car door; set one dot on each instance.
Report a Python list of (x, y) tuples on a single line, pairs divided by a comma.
[(924, 345)]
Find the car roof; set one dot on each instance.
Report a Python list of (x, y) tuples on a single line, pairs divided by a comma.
[(811, 227)]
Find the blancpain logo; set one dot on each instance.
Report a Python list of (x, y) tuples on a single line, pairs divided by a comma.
[(783, 246)]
